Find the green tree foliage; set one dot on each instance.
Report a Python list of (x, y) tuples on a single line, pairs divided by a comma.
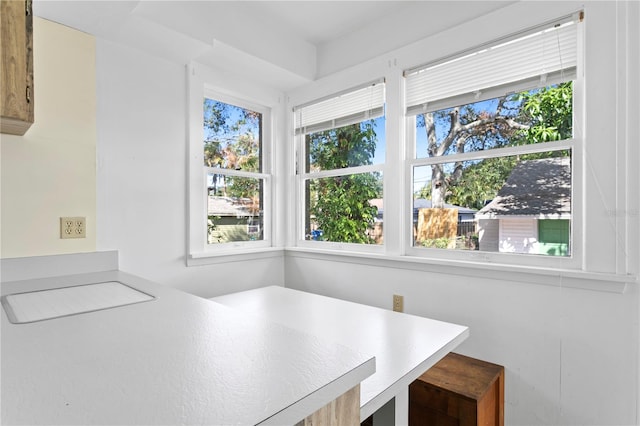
[(244, 155), (548, 113), (480, 182), (232, 142), (340, 206)]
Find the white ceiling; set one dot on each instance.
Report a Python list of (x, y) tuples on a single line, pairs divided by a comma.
[(284, 43), (319, 22)]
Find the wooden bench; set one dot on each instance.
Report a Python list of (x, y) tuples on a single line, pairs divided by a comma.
[(458, 391)]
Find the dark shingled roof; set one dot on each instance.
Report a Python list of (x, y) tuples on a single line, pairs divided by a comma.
[(534, 188)]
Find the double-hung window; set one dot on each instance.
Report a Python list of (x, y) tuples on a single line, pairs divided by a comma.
[(230, 170), (494, 144), (233, 169), (341, 154)]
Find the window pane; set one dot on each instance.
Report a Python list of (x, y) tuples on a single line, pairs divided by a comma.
[(539, 115), (232, 136), (349, 146), (234, 209), (516, 204), (346, 209)]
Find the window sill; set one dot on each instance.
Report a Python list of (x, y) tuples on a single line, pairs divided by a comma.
[(212, 258), (595, 281)]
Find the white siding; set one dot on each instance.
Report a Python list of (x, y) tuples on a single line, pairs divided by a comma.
[(488, 231), (518, 235)]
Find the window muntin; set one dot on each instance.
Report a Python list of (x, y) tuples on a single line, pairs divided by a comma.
[(469, 148), (341, 145), (233, 164)]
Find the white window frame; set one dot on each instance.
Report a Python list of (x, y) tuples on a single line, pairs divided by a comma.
[(576, 145), (301, 177), (602, 243), (243, 95)]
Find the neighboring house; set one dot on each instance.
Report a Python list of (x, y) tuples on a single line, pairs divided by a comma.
[(532, 211), (230, 219)]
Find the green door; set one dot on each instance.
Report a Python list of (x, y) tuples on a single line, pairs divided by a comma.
[(553, 237)]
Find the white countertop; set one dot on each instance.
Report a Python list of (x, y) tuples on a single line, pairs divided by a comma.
[(177, 359), (405, 346)]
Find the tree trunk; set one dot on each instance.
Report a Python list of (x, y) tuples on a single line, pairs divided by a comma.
[(438, 186)]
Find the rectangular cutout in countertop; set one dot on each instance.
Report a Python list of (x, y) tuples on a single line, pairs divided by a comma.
[(59, 302)]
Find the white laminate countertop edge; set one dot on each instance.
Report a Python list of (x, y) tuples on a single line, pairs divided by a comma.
[(178, 359), (403, 382), (301, 409)]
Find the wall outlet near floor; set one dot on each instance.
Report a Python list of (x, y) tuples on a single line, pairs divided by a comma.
[(398, 303), (73, 227)]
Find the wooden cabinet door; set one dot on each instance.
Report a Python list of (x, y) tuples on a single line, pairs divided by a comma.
[(16, 71)]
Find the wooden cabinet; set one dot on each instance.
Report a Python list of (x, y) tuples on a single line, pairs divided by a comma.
[(458, 391), (16, 70)]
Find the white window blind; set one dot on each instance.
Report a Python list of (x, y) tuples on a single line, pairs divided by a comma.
[(542, 57), (350, 107)]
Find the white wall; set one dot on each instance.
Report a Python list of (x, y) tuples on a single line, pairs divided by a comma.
[(50, 171), (570, 354), (142, 173)]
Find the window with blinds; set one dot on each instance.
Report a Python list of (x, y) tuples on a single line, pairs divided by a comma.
[(341, 155), (492, 142), (539, 57), (350, 107)]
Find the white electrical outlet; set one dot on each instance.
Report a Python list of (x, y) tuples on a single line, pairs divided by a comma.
[(73, 227)]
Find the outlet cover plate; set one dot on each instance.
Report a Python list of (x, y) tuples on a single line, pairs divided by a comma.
[(398, 303), (73, 227)]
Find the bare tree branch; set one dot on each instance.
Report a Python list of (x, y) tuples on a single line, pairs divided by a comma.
[(459, 134)]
